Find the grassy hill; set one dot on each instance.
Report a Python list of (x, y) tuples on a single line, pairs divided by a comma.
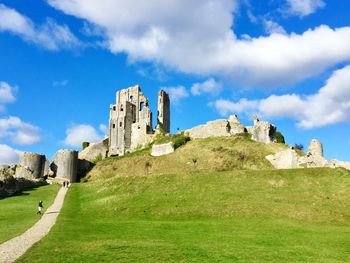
[(140, 208), (211, 154)]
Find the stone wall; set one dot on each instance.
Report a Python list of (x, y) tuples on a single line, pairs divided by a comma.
[(130, 121), (262, 131), (94, 150), (64, 165), (162, 149), (286, 159), (31, 166), (289, 159), (163, 118), (217, 128), (315, 148)]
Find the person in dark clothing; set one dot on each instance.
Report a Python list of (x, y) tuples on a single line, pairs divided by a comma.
[(40, 207)]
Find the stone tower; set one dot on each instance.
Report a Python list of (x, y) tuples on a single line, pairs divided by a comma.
[(65, 164), (316, 148), (31, 165), (129, 120), (163, 119)]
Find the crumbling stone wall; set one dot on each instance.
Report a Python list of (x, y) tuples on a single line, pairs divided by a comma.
[(94, 150), (64, 165), (163, 119), (262, 131), (289, 159), (315, 148), (31, 166), (217, 128), (130, 122), (162, 149)]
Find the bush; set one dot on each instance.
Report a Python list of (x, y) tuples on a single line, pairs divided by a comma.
[(85, 145), (298, 146), (176, 140), (279, 137), (180, 140)]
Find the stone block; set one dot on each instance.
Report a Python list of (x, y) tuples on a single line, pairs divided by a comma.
[(162, 149)]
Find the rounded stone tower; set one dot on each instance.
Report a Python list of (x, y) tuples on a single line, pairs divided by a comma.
[(64, 165), (316, 148), (31, 165)]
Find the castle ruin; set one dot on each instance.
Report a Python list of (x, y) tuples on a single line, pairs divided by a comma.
[(130, 120)]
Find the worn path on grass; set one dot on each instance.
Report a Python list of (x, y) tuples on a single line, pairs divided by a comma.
[(17, 246)]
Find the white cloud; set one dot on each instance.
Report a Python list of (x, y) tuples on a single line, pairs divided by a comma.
[(196, 37), (304, 7), (208, 86), (9, 155), (330, 105), (176, 93), (103, 128), (19, 132), (272, 27), (77, 134), (224, 107), (49, 35), (6, 94)]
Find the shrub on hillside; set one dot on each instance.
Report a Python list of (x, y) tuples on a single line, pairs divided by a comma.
[(176, 140), (279, 137), (298, 146), (85, 145)]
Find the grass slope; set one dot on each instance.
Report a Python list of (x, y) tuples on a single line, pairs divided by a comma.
[(173, 210), (211, 154), (18, 212), (243, 216)]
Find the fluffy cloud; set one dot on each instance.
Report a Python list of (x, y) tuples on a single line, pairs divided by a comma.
[(6, 94), (77, 134), (196, 37), (49, 35), (18, 132), (304, 7), (8, 155), (330, 105), (176, 93), (272, 27), (103, 128), (208, 86)]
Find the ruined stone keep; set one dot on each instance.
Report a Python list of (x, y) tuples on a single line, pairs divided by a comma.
[(163, 117), (130, 120)]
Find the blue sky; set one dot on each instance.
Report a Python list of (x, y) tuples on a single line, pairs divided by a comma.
[(63, 60)]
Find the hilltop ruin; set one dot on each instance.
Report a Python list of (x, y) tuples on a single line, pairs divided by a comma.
[(130, 120), (131, 128)]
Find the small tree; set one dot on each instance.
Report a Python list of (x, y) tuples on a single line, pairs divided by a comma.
[(148, 165), (85, 145), (279, 137), (298, 146)]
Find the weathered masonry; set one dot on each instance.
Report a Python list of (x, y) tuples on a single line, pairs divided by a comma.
[(163, 117), (130, 120)]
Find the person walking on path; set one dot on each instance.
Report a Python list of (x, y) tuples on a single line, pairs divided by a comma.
[(40, 207)]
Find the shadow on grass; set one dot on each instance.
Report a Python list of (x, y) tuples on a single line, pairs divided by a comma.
[(20, 192)]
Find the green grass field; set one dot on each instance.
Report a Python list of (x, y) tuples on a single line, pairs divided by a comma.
[(18, 212), (229, 216)]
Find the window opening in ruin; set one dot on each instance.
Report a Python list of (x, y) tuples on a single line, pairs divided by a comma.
[(120, 124), (142, 105), (131, 97), (113, 126), (121, 108), (114, 108)]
